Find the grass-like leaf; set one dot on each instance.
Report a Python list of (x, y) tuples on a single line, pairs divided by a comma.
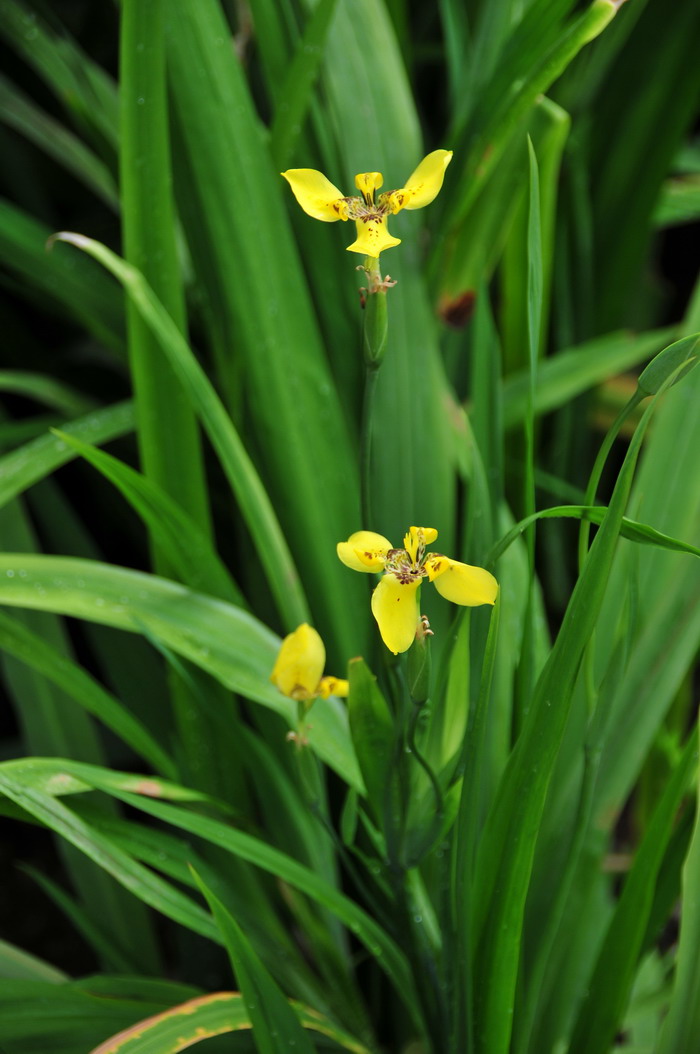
[(243, 478), (276, 1026), (202, 1018), (230, 644)]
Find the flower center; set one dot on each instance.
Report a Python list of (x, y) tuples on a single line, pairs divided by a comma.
[(408, 564), (367, 209), (400, 564)]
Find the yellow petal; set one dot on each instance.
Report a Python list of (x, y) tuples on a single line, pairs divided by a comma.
[(367, 183), (372, 237), (395, 607), (333, 686), (461, 583), (418, 536), (424, 185), (300, 663), (364, 551), (316, 194)]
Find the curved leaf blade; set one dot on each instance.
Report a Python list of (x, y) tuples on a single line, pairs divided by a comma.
[(203, 1017), (227, 642)]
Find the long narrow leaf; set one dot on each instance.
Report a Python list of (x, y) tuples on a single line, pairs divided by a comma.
[(184, 544), (228, 643), (611, 983), (507, 849), (682, 1024), (136, 878), (28, 464), (202, 1018), (37, 653), (276, 1026), (245, 482), (168, 435)]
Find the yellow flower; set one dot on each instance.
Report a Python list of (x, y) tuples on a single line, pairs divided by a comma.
[(320, 199), (395, 600), (298, 671)]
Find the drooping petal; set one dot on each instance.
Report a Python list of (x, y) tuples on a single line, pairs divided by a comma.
[(300, 663), (423, 185), (395, 607), (461, 583), (364, 551), (333, 686), (372, 237), (316, 194)]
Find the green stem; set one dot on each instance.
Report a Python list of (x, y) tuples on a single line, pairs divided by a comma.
[(436, 825), (375, 328), (371, 375)]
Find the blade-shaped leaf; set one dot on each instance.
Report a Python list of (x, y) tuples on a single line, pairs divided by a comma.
[(229, 643), (276, 1026)]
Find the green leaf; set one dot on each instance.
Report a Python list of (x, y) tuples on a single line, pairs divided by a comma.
[(231, 201), (80, 84), (635, 532), (630, 169), (679, 202), (507, 848), (168, 436), (78, 1014), (203, 1017), (228, 643), (414, 473), (27, 465), (465, 840), (575, 370), (609, 988), (255, 504), (276, 1026), (16, 964), (372, 730), (39, 655), (483, 151), (48, 390), (677, 360), (295, 93), (182, 542), (682, 1022), (19, 112), (41, 709), (139, 880), (255, 851), (103, 941), (22, 781), (75, 286), (61, 776)]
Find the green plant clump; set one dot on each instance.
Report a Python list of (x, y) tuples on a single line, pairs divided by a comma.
[(292, 290)]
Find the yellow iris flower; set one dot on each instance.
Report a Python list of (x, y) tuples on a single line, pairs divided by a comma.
[(395, 600), (320, 199), (298, 671)]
